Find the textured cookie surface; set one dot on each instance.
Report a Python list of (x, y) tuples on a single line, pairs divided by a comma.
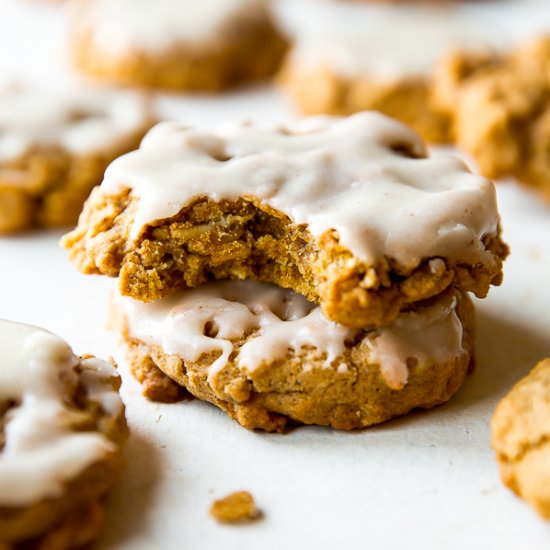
[(176, 44), (267, 356), (349, 212), (61, 429), (521, 438), (501, 114), (351, 56), (55, 146)]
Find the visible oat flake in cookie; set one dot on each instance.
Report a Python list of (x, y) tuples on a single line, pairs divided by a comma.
[(349, 212), (62, 423)]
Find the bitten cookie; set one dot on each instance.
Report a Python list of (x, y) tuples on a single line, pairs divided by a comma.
[(521, 438), (267, 356), (176, 44), (55, 146), (349, 212), (61, 429), (351, 56)]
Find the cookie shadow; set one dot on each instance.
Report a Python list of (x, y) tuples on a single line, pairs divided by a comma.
[(506, 352), (129, 504)]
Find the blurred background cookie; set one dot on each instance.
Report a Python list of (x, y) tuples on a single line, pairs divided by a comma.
[(351, 56), (55, 145), (176, 44)]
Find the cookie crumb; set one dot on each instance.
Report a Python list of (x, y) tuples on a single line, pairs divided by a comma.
[(238, 507)]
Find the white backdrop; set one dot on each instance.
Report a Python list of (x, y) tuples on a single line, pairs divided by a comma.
[(428, 480)]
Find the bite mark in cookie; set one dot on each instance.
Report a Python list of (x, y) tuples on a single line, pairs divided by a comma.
[(349, 212)]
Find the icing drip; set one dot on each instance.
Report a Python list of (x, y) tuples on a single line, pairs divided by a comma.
[(40, 453), (392, 41), (328, 173), (431, 333), (80, 121), (256, 323), (211, 318), (159, 25)]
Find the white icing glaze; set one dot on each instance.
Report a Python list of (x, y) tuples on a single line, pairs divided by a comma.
[(40, 453), (78, 120), (393, 40), (210, 318), (428, 334), (328, 173), (121, 26), (194, 322)]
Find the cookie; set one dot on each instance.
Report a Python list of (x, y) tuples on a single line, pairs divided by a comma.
[(55, 146), (268, 357), (521, 438), (61, 429), (176, 44), (349, 212), (351, 56), (500, 110)]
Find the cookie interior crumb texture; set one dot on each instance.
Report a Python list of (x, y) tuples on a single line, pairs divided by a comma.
[(238, 507), (521, 438), (349, 212)]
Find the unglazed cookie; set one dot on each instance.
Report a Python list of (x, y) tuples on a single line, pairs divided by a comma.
[(61, 429), (351, 56), (267, 356), (521, 438), (176, 44), (55, 146), (348, 212)]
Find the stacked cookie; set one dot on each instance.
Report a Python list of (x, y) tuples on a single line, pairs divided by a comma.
[(316, 273)]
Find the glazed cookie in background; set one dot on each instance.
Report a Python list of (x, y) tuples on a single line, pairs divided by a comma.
[(267, 356), (351, 56), (55, 146), (176, 44), (521, 438), (61, 429), (349, 212), (501, 112)]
